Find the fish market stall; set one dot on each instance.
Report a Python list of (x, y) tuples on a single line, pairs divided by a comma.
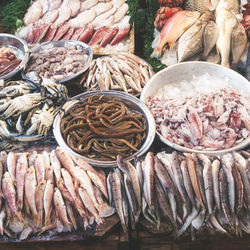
[(108, 140)]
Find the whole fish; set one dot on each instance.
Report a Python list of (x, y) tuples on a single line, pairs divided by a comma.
[(10, 195), (46, 159), (215, 174), (190, 43), (174, 28), (49, 174), (21, 168), (30, 189), (239, 43), (40, 168), (226, 21), (129, 169), (61, 208), (31, 158), (56, 165), (71, 215), (39, 202), (11, 165), (148, 173), (208, 181), (2, 217), (121, 34), (117, 196), (187, 182), (138, 168), (47, 201), (1, 175), (227, 163), (242, 167), (209, 38), (179, 178), (216, 224)]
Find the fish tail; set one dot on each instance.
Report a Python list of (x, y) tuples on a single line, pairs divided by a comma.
[(156, 53)]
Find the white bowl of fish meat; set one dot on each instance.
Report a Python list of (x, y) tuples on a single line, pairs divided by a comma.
[(99, 125), (61, 61), (200, 107), (13, 55)]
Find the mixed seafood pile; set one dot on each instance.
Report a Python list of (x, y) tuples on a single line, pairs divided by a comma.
[(27, 111), (100, 23), (56, 63), (123, 72), (188, 191), (8, 61), (49, 191), (214, 34), (102, 127), (215, 120)]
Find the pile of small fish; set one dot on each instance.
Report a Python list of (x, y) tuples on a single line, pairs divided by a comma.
[(93, 21), (8, 61), (190, 35), (56, 63), (215, 120), (190, 191), (125, 72), (49, 191), (27, 111)]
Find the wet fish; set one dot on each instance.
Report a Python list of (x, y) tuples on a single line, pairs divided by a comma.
[(39, 202), (239, 43), (56, 165), (208, 181), (120, 13), (227, 163), (21, 168), (215, 174), (2, 217), (120, 35), (190, 43), (174, 27), (47, 201), (86, 35), (209, 38), (61, 208), (30, 189), (10, 195), (226, 21), (109, 36), (11, 165), (71, 215), (40, 168), (117, 196)]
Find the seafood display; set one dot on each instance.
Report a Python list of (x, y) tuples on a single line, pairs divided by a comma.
[(206, 30), (123, 72), (188, 191), (27, 111), (49, 191), (101, 24), (102, 127), (246, 19), (205, 120), (57, 61), (8, 61)]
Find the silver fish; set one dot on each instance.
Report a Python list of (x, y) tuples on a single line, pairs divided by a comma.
[(209, 38), (190, 43), (215, 174)]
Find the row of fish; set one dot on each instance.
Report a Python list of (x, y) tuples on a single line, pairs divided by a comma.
[(125, 72), (187, 190), (97, 21), (27, 111), (191, 35), (49, 191)]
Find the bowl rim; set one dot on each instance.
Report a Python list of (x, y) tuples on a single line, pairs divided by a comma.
[(66, 79), (175, 146), (144, 109), (25, 56)]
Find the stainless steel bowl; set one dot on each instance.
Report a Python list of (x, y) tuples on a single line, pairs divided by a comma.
[(20, 49), (63, 43), (186, 71), (131, 101)]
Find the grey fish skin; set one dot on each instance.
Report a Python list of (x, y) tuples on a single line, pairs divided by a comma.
[(239, 43), (215, 174), (187, 182), (217, 225), (208, 181), (224, 195), (209, 38), (242, 166), (163, 176), (139, 172), (190, 43), (227, 162), (179, 178), (117, 196), (163, 202)]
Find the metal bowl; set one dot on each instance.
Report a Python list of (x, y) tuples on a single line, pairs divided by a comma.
[(62, 43), (186, 71), (131, 101), (20, 49)]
